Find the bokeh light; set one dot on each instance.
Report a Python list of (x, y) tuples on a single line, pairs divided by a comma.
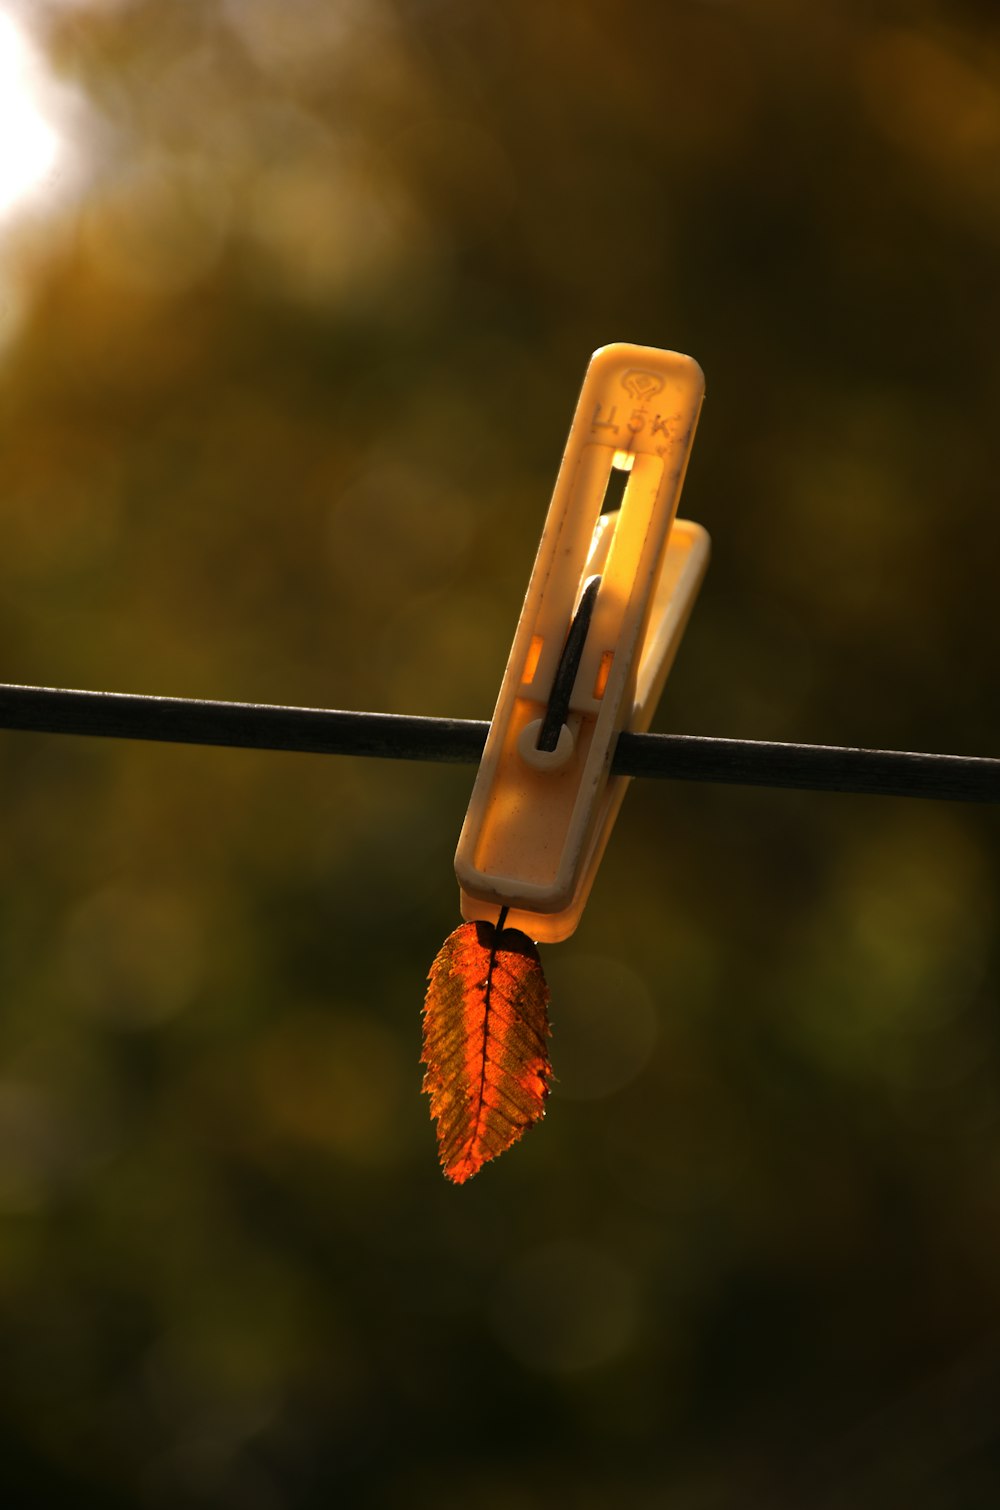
[(29, 143)]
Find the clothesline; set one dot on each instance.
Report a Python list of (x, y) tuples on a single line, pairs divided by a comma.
[(677, 757)]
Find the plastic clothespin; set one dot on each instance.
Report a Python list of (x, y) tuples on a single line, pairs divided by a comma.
[(539, 818)]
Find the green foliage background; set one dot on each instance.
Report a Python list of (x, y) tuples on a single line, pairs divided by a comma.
[(283, 388)]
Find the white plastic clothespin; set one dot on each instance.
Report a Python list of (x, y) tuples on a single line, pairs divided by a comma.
[(539, 818)]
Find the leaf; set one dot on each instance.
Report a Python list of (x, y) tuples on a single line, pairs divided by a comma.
[(485, 1031)]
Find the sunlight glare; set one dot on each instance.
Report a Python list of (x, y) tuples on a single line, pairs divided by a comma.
[(29, 144)]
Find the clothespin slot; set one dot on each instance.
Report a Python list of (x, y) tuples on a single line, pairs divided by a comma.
[(606, 607)]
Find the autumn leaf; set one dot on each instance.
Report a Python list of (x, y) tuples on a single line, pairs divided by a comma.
[(485, 1032)]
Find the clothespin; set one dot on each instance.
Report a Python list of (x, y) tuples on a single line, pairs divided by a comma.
[(606, 606)]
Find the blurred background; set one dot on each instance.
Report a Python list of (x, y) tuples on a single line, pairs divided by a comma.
[(295, 301)]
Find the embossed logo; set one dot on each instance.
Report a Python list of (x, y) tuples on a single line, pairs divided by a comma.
[(641, 385)]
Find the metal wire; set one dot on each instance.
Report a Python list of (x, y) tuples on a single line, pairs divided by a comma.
[(569, 664), (677, 757)]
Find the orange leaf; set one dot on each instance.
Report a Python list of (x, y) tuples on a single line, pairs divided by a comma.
[(485, 1032)]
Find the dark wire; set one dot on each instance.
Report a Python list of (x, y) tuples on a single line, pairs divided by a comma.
[(678, 757), (569, 664)]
